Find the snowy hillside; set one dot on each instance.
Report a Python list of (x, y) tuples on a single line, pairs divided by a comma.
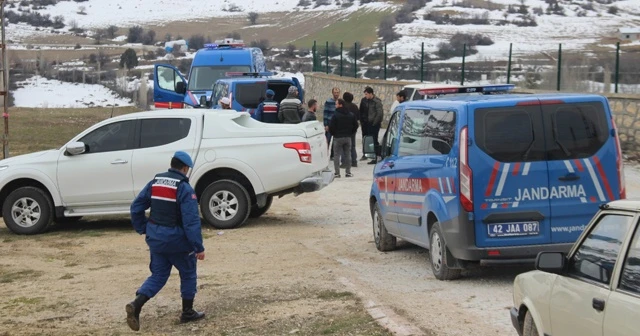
[(580, 23)]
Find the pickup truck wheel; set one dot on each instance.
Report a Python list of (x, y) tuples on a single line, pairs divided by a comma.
[(27, 210), (384, 241), (529, 328), (225, 204), (257, 211), (437, 254)]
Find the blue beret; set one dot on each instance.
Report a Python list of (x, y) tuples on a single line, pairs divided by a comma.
[(270, 93), (184, 158)]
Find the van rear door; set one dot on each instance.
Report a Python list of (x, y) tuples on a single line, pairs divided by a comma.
[(582, 154), (506, 156), (246, 95)]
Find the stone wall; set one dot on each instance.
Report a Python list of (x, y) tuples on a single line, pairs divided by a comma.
[(626, 108)]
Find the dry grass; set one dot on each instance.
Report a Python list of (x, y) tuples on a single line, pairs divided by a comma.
[(61, 55), (32, 129)]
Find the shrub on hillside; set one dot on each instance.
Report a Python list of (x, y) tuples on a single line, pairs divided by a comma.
[(234, 35), (386, 30), (135, 34), (262, 44), (111, 31), (196, 42), (456, 45), (304, 3), (129, 59), (149, 38), (613, 10), (322, 3)]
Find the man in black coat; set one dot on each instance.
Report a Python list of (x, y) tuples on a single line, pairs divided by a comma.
[(343, 126)]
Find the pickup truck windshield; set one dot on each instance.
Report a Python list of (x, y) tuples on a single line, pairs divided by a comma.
[(203, 77)]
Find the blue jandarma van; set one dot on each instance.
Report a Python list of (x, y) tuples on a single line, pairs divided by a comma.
[(214, 61), (494, 179)]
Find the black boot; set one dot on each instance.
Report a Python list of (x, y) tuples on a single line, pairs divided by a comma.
[(188, 314), (133, 309)]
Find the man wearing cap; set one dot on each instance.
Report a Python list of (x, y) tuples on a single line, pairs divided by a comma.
[(267, 111), (173, 235), (291, 110), (225, 103)]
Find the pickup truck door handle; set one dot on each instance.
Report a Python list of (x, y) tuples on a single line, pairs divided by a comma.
[(598, 304), (119, 161), (569, 177)]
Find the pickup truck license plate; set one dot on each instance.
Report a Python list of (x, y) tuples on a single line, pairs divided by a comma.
[(514, 229)]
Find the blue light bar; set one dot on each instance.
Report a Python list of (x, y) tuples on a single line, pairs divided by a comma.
[(254, 74), (211, 46), (499, 87)]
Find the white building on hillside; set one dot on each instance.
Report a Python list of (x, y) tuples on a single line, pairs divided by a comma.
[(632, 34)]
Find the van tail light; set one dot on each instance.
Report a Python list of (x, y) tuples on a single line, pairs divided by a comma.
[(303, 149), (466, 175), (619, 163)]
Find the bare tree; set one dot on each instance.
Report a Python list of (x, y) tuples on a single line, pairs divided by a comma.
[(253, 17)]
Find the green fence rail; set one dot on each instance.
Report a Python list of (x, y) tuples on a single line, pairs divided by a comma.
[(614, 65)]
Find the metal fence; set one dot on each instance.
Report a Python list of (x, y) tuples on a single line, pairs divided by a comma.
[(609, 68)]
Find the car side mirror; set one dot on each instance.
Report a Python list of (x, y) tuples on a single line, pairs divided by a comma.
[(181, 88), (203, 101), (551, 262), (369, 148), (76, 148)]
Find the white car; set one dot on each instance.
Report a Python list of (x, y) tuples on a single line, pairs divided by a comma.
[(240, 164), (594, 289)]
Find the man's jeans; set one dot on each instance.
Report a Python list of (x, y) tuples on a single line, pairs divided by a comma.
[(342, 148)]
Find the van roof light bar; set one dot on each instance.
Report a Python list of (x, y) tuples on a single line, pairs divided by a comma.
[(467, 89), (247, 74)]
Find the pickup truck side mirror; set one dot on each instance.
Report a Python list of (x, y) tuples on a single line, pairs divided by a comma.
[(203, 101), (181, 88), (76, 148), (369, 148), (551, 262)]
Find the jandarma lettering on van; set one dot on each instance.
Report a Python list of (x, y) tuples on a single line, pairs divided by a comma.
[(543, 193), (410, 185)]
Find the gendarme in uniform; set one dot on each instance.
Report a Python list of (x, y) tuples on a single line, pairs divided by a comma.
[(173, 235)]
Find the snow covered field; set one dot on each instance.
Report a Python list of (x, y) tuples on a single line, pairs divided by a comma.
[(45, 93)]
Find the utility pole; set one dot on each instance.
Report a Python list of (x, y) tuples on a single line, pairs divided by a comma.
[(4, 87)]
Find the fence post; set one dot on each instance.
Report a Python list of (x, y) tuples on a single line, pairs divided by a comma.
[(464, 54), (422, 63), (385, 61), (327, 55), (559, 66), (341, 59), (314, 56), (617, 65), (509, 65), (355, 60)]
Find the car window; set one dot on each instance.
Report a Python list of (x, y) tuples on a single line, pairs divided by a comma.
[(416, 95), (162, 131), (427, 132), (248, 94), (167, 78), (116, 136), (595, 258), (575, 130), (390, 136), (630, 276), (510, 134)]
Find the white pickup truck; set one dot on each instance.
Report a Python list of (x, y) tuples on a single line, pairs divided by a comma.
[(240, 164)]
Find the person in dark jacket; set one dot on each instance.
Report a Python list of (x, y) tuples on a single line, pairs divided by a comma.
[(291, 110), (310, 115), (267, 111), (364, 122), (173, 234), (375, 114), (342, 126), (327, 114), (353, 108)]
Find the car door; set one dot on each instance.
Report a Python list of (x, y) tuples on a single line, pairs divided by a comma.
[(169, 87), (425, 143), (159, 138), (582, 165), (384, 175), (100, 176), (621, 312), (579, 297)]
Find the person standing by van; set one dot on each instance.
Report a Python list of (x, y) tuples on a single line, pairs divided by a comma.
[(310, 115), (353, 108), (343, 125), (291, 110), (267, 111), (375, 115), (327, 114)]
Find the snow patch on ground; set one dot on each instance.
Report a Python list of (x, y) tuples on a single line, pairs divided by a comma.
[(41, 92)]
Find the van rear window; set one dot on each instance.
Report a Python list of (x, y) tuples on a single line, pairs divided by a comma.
[(575, 131), (511, 134), (248, 94)]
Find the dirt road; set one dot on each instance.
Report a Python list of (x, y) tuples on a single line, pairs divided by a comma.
[(309, 266)]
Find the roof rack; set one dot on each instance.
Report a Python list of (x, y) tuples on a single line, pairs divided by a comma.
[(467, 89), (247, 74)]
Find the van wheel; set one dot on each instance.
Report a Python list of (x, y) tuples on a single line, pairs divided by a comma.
[(384, 241), (529, 328), (27, 210), (437, 255), (225, 204), (257, 211)]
